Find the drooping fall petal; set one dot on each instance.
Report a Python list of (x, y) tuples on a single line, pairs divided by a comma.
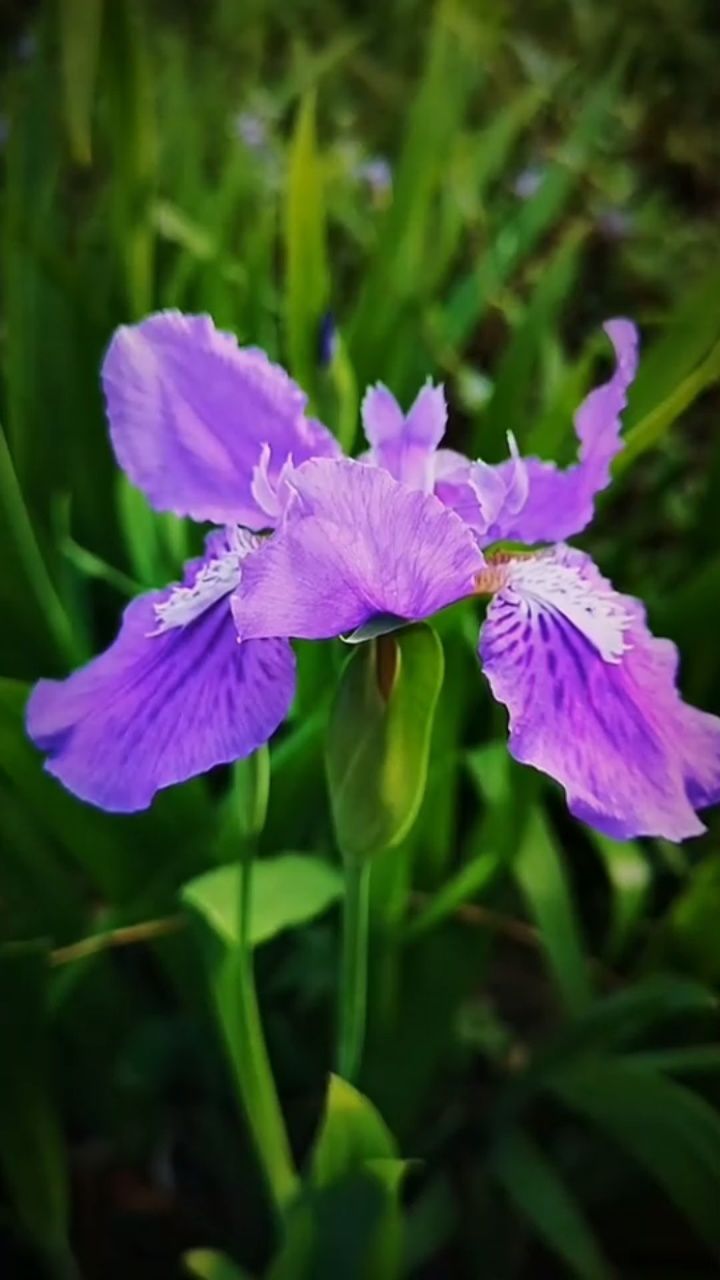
[(173, 696), (593, 701)]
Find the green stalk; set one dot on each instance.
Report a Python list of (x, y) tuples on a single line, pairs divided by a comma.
[(252, 1064), (31, 557), (353, 981)]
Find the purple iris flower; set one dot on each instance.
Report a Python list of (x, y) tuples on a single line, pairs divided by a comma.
[(218, 433)]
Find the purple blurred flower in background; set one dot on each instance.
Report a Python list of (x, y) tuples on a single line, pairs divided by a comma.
[(615, 223), (251, 129), (208, 430), (528, 181), (376, 173), (327, 340)]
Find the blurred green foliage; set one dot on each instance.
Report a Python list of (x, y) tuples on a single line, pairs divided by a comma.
[(543, 1002)]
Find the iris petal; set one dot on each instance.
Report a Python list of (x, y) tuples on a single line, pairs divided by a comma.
[(405, 444), (593, 702), (190, 412), (559, 503), (157, 708), (354, 543)]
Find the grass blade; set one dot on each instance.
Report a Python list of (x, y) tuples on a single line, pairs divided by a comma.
[(650, 429), (519, 235), (31, 1147), (508, 409), (31, 559), (628, 871), (538, 1192), (451, 72), (308, 276), (541, 875), (80, 29), (668, 1130)]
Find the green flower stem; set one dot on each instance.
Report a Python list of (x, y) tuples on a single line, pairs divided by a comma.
[(252, 1064), (353, 980)]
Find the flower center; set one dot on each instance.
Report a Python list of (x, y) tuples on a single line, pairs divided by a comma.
[(496, 572)]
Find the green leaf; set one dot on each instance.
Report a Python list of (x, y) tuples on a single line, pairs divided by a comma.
[(80, 27), (352, 1132), (338, 397), (491, 148), (379, 738), (539, 1193), (432, 843), (173, 224), (628, 870), (620, 1019), (30, 558), (32, 1154), (308, 277), (551, 435), (508, 793), (517, 236), (698, 1059), (460, 888), (430, 1222), (456, 48), (141, 531), (337, 1230), (649, 430), (509, 406), (541, 875), (354, 1140), (690, 614), (346, 1220), (129, 82), (670, 1131), (208, 1264), (690, 932), (482, 158), (58, 824), (287, 891), (686, 337), (247, 803)]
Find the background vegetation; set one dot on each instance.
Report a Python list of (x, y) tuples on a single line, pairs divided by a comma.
[(543, 1041)]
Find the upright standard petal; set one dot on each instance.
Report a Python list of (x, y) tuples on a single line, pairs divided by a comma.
[(190, 412), (560, 503), (405, 444), (528, 500), (172, 697), (355, 544), (593, 701), (488, 498)]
